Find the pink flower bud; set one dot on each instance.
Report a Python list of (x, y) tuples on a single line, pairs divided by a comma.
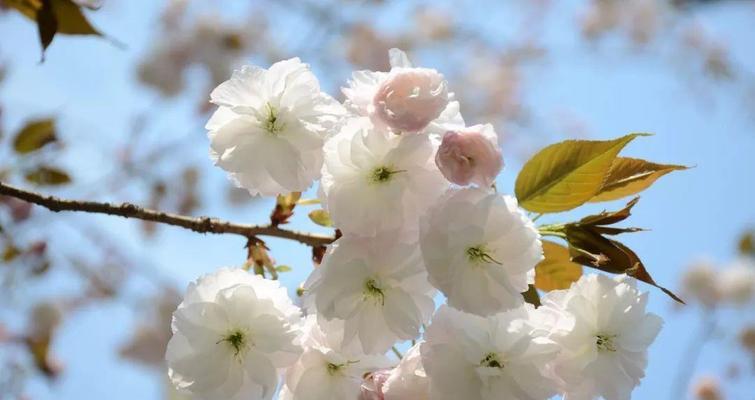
[(410, 98), (372, 386), (470, 155)]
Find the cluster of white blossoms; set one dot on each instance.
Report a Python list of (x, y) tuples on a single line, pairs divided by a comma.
[(411, 188)]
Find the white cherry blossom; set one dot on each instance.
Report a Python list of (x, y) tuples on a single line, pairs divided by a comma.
[(231, 334), (326, 370), (480, 250), (502, 356), (378, 286), (270, 127), (604, 332), (408, 381), (374, 182)]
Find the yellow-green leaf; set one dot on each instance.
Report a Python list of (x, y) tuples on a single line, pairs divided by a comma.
[(283, 268), (556, 271), (45, 175), (34, 135), (629, 176), (321, 217), (566, 175)]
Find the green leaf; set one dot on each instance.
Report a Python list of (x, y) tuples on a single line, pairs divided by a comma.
[(321, 217), (46, 175), (629, 176), (568, 174), (532, 296), (556, 271), (283, 268), (35, 135)]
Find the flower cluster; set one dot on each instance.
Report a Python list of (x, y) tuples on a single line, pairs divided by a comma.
[(411, 189)]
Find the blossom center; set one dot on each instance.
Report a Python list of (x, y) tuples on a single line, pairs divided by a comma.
[(480, 254), (272, 122), (373, 291), (334, 368), (237, 339), (604, 343), (491, 360), (383, 174)]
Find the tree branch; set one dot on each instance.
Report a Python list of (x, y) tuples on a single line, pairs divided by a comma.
[(196, 224)]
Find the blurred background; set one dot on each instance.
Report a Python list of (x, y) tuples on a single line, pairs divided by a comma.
[(85, 300)]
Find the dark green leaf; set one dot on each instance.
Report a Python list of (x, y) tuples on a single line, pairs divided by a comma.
[(46, 175), (590, 248), (35, 135)]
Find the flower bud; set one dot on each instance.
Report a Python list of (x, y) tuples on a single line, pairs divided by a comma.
[(410, 99), (470, 155), (372, 386)]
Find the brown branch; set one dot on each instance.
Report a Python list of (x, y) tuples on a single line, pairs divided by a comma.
[(196, 224)]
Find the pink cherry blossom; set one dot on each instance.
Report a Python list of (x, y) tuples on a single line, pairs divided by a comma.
[(410, 99), (470, 155)]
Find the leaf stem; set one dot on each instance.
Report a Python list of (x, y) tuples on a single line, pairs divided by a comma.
[(556, 230), (396, 352)]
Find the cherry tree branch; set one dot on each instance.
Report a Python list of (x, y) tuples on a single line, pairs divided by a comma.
[(196, 224)]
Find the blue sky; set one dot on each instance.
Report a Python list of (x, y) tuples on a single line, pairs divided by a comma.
[(91, 86)]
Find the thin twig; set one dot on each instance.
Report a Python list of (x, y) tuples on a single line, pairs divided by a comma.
[(196, 224)]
